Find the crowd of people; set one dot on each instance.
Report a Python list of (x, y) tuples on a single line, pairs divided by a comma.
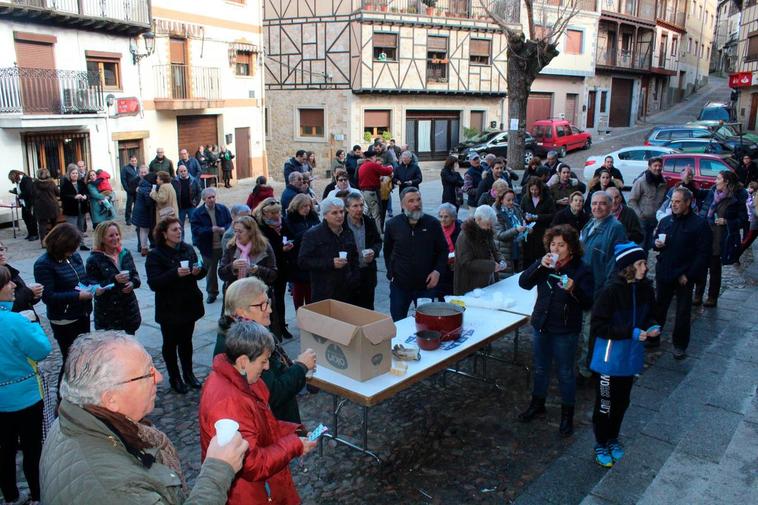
[(583, 247)]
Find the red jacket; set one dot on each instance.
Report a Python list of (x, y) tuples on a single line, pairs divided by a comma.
[(273, 444), (369, 173), (263, 193)]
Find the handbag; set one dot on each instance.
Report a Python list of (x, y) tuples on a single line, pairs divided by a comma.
[(166, 212), (617, 357)]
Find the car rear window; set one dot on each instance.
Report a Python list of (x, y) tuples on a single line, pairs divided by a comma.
[(676, 165), (543, 132), (681, 134), (711, 168), (714, 114)]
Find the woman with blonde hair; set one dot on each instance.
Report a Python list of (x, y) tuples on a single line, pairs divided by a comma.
[(111, 263), (247, 254), (164, 195)]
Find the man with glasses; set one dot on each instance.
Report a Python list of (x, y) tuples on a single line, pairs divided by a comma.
[(342, 183), (161, 164), (209, 222), (109, 386)]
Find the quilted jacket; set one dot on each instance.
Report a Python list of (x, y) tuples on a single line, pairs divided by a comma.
[(84, 462)]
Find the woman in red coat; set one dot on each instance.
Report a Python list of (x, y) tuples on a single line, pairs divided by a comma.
[(233, 391)]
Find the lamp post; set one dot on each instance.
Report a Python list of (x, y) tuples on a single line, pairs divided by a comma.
[(149, 39)]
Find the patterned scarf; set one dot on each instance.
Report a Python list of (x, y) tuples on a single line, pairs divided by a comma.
[(717, 198)]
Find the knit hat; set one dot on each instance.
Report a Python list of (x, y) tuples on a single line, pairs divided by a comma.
[(627, 253)]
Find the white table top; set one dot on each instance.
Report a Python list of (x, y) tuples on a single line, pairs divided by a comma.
[(478, 325), (509, 287)]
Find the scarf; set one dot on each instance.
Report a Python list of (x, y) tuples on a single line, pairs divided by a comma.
[(653, 179), (718, 196), (244, 249), (448, 232)]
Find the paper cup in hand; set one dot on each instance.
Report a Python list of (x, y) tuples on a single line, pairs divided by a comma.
[(184, 263), (343, 255), (225, 430), (662, 237), (554, 257)]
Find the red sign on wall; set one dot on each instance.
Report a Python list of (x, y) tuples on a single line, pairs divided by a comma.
[(740, 79), (127, 106)]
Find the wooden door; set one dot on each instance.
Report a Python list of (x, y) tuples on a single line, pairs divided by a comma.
[(179, 69), (592, 95), (129, 148), (37, 77), (195, 130), (538, 106), (242, 152), (621, 102), (753, 111), (571, 108)]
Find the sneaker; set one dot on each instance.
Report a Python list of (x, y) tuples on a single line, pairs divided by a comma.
[(616, 450), (603, 456), (679, 353)]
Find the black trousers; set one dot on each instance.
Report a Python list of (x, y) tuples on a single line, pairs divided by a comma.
[(24, 426), (364, 297), (714, 283), (177, 337), (65, 334), (27, 214), (611, 402), (680, 336)]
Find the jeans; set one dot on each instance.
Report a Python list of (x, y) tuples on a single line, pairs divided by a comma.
[(211, 280), (24, 425), (584, 344), (401, 299), (561, 348), (130, 197), (184, 215), (648, 227), (611, 401), (666, 291)]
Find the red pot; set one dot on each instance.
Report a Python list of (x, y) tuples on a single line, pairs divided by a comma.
[(428, 340), (445, 318)]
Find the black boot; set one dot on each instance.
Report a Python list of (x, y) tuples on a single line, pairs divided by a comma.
[(536, 409), (191, 380), (566, 429), (178, 385)]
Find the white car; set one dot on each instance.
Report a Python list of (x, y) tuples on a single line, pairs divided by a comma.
[(631, 161)]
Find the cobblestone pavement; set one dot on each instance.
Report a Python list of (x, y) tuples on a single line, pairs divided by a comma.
[(443, 442)]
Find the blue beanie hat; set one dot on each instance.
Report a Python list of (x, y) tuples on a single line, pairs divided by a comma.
[(627, 253)]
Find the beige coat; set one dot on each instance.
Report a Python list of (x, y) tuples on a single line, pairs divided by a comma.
[(165, 198)]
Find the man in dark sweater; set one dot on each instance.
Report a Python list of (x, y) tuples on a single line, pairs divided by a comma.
[(129, 172), (626, 216), (161, 164), (415, 253), (187, 193), (25, 194)]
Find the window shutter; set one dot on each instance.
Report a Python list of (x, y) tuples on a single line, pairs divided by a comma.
[(479, 47), (376, 118), (312, 118), (385, 40), (436, 43), (574, 42)]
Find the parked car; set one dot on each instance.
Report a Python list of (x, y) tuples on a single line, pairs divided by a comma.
[(727, 130), (705, 167), (718, 111), (704, 145), (497, 144), (663, 135), (560, 135), (480, 138), (631, 161)]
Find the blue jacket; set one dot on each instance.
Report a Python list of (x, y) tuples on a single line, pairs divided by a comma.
[(202, 228), (598, 247), (22, 341), (143, 213), (288, 194), (193, 167), (410, 172), (292, 165), (687, 249), (60, 279)]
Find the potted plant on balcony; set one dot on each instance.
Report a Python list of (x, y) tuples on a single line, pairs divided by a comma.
[(382, 4), (430, 5), (367, 136), (368, 5)]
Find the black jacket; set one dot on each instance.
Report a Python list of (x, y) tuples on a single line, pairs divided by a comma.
[(351, 165), (25, 191), (687, 249), (115, 310), (319, 247), (72, 206), (450, 181), (556, 310), (292, 165), (24, 297), (277, 242), (411, 253), (615, 173), (296, 226), (565, 216), (410, 172), (632, 224), (177, 299)]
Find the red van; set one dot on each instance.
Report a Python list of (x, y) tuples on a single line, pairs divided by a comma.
[(560, 135)]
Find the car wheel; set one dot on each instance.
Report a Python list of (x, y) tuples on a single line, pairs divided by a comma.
[(528, 155), (562, 152), (588, 144)]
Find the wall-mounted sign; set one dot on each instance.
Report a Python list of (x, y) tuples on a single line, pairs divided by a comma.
[(741, 80), (128, 106)]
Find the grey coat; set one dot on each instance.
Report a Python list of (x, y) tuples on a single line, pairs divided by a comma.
[(475, 258)]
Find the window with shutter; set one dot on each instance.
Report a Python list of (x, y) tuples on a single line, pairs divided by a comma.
[(311, 122), (385, 46), (244, 63), (479, 51), (436, 58), (752, 47), (376, 122), (574, 41)]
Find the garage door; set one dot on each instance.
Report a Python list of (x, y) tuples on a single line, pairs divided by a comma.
[(196, 130), (538, 106), (621, 102)]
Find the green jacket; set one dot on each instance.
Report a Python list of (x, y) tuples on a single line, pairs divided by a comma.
[(85, 462)]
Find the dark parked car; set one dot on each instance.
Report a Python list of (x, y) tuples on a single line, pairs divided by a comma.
[(716, 111), (665, 135), (705, 146), (497, 144), (705, 167)]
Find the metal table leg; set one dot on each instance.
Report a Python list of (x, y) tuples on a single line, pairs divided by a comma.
[(334, 434)]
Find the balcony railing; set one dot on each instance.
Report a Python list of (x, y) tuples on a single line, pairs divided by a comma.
[(467, 9), (624, 58), (670, 15), (644, 9), (44, 91), (436, 71), (185, 82), (118, 12), (583, 5)]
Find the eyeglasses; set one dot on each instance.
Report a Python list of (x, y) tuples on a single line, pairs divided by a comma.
[(153, 373), (263, 306), (272, 202), (341, 179)]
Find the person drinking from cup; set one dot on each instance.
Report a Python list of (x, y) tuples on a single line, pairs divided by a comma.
[(26, 295), (246, 254)]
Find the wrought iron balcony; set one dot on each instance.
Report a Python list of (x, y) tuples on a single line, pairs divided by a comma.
[(44, 91), (461, 9), (623, 59), (131, 16), (186, 87)]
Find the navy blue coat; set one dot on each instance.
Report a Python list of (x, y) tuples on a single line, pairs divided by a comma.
[(294, 228), (202, 228), (60, 279), (143, 213), (687, 249), (410, 172)]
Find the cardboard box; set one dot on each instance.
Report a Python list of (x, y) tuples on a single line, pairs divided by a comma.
[(350, 340)]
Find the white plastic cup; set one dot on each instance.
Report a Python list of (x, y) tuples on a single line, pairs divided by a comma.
[(184, 263), (124, 272), (554, 256), (155, 187), (285, 240), (225, 430), (343, 255), (33, 285), (367, 252), (662, 237)]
